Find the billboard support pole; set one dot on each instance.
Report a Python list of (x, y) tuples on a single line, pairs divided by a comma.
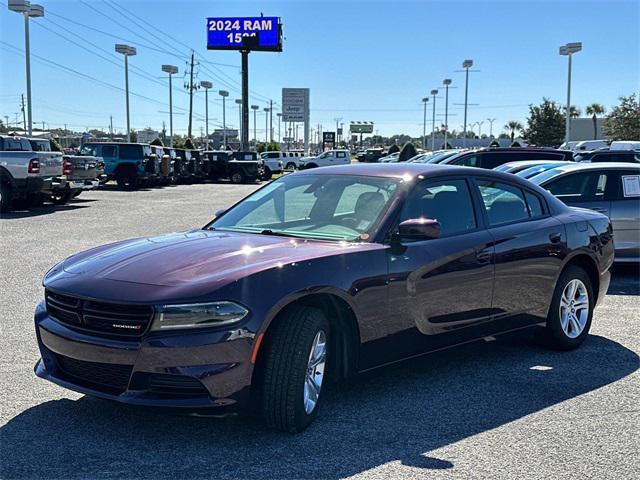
[(245, 100)]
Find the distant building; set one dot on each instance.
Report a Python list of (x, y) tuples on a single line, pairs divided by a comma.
[(147, 135), (582, 129)]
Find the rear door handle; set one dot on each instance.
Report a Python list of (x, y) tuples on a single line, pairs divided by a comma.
[(555, 237)]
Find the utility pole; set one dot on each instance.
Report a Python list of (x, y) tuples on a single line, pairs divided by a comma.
[(271, 120), (433, 122), (255, 121), (279, 114), (266, 125), (424, 123), (446, 82), (191, 87), (111, 126), (467, 64)]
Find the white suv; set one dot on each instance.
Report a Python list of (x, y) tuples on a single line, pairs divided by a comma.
[(330, 157), (273, 160)]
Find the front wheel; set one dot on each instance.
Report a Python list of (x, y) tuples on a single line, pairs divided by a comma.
[(290, 166), (266, 174), (237, 177), (571, 310), (295, 369)]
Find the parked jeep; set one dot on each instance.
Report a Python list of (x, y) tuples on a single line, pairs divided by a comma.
[(131, 165), (25, 174), (239, 167), (183, 166)]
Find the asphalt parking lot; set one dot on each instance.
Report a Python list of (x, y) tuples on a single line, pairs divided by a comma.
[(502, 409)]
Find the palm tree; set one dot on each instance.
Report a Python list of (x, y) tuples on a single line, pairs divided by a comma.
[(594, 110), (513, 126), (574, 112)]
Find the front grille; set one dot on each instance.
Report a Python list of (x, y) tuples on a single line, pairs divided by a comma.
[(99, 317), (175, 385), (110, 375)]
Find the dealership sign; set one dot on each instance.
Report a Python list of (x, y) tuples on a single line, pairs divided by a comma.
[(361, 127), (295, 104), (244, 33)]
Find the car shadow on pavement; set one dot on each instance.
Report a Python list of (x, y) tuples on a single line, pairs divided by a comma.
[(38, 211), (397, 414), (625, 280)]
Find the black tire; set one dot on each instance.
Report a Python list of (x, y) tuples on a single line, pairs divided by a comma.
[(266, 174), (237, 176), (290, 166), (61, 198), (35, 200), (127, 180), (6, 197), (557, 338), (286, 357)]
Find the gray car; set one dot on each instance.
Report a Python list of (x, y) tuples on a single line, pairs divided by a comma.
[(609, 188)]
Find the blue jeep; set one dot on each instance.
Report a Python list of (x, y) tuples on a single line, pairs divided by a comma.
[(131, 165)]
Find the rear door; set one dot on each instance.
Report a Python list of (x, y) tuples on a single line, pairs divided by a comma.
[(591, 189), (341, 157), (109, 154), (625, 214)]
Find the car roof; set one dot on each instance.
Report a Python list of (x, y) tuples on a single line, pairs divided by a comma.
[(533, 163), (572, 167)]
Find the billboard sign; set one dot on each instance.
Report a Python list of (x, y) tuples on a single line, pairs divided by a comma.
[(361, 127), (295, 104), (244, 33)]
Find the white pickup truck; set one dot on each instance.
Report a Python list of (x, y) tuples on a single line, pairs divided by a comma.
[(325, 159), (25, 174)]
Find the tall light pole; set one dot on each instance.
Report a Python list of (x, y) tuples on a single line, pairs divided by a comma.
[(224, 94), (279, 115), (446, 82), (127, 51), (424, 123), (27, 10), (255, 121), (471, 125), (491, 120), (433, 121), (479, 128), (206, 85), (266, 124), (171, 70), (568, 50), (467, 64), (239, 103), (271, 121)]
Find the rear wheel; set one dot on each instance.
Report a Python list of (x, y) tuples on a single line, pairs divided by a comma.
[(237, 177), (295, 368), (127, 180), (571, 309), (61, 198), (6, 197), (291, 166)]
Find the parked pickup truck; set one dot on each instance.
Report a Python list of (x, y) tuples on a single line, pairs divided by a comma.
[(325, 159), (131, 165), (25, 174), (79, 173)]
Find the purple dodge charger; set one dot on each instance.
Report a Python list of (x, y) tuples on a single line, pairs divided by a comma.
[(315, 277)]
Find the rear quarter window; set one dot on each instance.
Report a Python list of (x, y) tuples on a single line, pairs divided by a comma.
[(131, 152)]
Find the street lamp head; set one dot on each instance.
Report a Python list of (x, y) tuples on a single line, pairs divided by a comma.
[(170, 69), (36, 11), (125, 49), (19, 6), (434, 92), (570, 48), (467, 64), (239, 101), (255, 107), (425, 99), (267, 109), (206, 85), (446, 81), (223, 93), (279, 114)]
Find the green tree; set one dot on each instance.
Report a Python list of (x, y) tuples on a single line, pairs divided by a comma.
[(545, 125), (574, 112), (55, 146), (3, 127), (393, 149), (623, 122), (594, 110), (179, 141), (514, 126), (188, 143), (408, 151)]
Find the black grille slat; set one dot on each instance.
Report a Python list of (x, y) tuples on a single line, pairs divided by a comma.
[(110, 375), (100, 317)]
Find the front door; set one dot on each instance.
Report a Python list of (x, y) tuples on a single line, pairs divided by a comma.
[(438, 287)]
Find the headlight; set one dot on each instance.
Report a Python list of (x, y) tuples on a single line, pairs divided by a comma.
[(197, 315)]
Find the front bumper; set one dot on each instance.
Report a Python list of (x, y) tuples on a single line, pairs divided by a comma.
[(191, 370)]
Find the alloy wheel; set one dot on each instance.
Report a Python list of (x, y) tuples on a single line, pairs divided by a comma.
[(574, 308), (315, 371)]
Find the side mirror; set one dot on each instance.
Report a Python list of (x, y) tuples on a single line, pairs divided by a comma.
[(220, 212), (419, 229)]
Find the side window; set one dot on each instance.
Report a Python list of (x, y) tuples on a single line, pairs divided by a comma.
[(579, 187), (534, 203), (503, 203), (130, 152), (448, 202), (109, 151), (492, 160), (469, 161), (341, 155)]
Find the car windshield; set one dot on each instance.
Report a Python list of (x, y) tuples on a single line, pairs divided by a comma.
[(89, 150), (336, 207), (537, 169), (543, 176)]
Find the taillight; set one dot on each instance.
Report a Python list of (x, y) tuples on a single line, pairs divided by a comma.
[(34, 166), (67, 167)]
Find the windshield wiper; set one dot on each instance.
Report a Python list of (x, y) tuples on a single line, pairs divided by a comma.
[(277, 233)]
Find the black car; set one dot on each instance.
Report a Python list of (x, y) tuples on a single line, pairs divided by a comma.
[(235, 166), (625, 156), (494, 157)]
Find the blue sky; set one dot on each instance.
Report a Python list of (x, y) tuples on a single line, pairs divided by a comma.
[(362, 60)]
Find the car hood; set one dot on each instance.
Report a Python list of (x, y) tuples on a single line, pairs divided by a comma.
[(208, 258)]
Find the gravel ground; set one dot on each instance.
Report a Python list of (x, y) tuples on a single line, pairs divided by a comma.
[(503, 409)]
